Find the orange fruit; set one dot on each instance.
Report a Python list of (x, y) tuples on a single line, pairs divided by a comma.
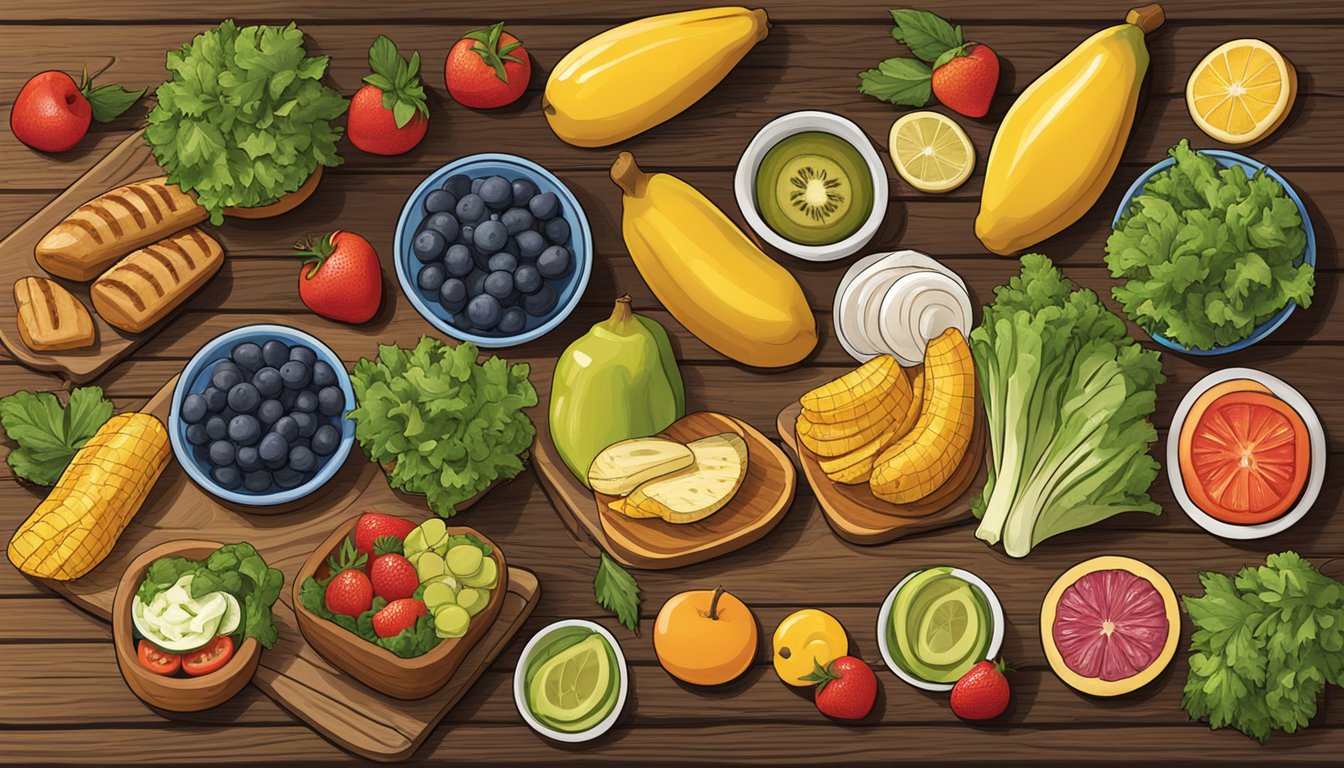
[(1244, 454), (705, 636)]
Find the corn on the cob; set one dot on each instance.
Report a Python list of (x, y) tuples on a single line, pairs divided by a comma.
[(922, 461), (861, 389), (78, 524)]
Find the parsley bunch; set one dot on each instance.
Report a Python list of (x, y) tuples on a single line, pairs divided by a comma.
[(245, 118), (1265, 645)]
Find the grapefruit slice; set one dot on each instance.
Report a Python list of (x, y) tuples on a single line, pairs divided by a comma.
[(1109, 625)]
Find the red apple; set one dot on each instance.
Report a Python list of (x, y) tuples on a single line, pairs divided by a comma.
[(50, 113)]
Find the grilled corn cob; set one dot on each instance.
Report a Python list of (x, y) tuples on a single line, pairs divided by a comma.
[(78, 524)]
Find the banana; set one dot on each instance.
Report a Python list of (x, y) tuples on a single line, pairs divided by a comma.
[(630, 78), (713, 280), (1061, 140)]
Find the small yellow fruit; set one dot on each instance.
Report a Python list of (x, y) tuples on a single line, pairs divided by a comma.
[(931, 151), (805, 639), (1241, 91)]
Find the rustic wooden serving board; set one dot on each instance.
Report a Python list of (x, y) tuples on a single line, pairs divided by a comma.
[(766, 494), (337, 706)]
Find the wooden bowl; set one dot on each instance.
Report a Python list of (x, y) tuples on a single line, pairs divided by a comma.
[(375, 666), (175, 694), (285, 204)]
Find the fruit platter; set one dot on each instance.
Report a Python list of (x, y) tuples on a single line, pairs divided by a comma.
[(655, 384)]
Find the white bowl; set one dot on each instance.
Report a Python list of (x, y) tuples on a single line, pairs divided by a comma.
[(884, 618), (744, 183), (1315, 476), (520, 675)]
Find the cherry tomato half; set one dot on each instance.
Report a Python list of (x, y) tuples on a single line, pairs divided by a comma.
[(157, 661), (210, 658)]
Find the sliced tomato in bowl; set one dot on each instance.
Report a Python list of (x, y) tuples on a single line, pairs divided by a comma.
[(211, 658), (158, 661)]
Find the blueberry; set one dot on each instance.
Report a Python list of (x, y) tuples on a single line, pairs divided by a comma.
[(476, 185), (287, 478), (523, 190), (257, 481), (303, 355), (222, 453), (470, 209), (484, 311), (445, 224), (307, 423), (269, 411), (467, 236), (225, 376), (247, 355), (330, 401), (193, 408), (453, 295), (196, 434), (325, 440), (553, 262), (295, 375), (557, 231), (217, 428), (428, 245), (503, 262), (476, 282), (273, 448), (458, 262), (497, 193), (215, 399), (458, 186), (499, 285), (482, 260), (323, 374), (509, 300), (274, 353), (440, 200), (247, 458), (530, 243), (462, 323), (244, 429), (526, 278), (301, 459), (512, 321), (490, 236), (306, 402), (286, 427), (544, 206), (431, 277), (244, 398), (287, 399), (540, 303), (510, 247), (227, 478), (516, 220), (267, 381)]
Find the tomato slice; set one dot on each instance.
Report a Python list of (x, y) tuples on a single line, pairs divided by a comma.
[(158, 661), (1246, 458), (209, 659)]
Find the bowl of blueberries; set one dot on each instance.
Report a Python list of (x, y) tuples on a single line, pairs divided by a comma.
[(493, 249), (258, 415)]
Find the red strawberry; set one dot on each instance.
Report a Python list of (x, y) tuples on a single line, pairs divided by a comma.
[(341, 278), (389, 115), (846, 688), (982, 693), (398, 616), (487, 68), (349, 592), (52, 114), (374, 525), (393, 577), (965, 78)]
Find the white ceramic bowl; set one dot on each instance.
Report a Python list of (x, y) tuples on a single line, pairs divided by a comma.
[(744, 183), (1315, 476), (884, 619), (520, 674)]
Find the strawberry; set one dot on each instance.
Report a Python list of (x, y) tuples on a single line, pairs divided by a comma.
[(341, 279), (982, 693), (487, 68), (349, 592), (964, 78), (398, 616), (389, 115), (392, 575), (52, 113), (374, 525), (846, 688)]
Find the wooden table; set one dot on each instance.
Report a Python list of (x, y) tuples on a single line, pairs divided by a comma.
[(61, 699)]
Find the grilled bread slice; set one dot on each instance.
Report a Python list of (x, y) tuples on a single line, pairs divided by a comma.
[(146, 285), (113, 224), (50, 318)]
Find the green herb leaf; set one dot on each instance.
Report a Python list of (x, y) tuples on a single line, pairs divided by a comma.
[(899, 81), (927, 35), (398, 79), (47, 434), (616, 590), (109, 101)]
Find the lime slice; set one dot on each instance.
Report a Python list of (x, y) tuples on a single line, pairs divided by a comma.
[(931, 151), (950, 628), (573, 682)]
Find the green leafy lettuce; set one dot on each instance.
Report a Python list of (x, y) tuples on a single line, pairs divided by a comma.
[(46, 434), (245, 118), (1208, 254), (233, 568), (447, 425), (1265, 645), (1067, 398)]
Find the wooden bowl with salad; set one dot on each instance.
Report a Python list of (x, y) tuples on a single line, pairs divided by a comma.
[(203, 676)]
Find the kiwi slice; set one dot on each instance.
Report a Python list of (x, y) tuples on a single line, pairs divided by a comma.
[(814, 188)]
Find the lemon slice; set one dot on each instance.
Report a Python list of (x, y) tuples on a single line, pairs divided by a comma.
[(931, 151), (1241, 91)]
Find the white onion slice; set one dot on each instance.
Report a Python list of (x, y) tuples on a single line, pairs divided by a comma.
[(862, 303), (918, 308)]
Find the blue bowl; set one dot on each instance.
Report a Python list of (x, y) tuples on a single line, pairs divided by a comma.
[(1228, 159), (196, 377), (511, 167)]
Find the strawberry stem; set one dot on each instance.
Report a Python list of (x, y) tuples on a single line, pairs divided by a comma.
[(488, 48), (821, 675), (317, 252)]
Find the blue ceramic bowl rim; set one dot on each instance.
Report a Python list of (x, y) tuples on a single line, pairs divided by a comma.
[(582, 239), (207, 356), (1228, 159)]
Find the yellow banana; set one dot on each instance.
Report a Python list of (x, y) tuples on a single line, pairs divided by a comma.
[(1061, 140), (630, 78), (707, 273)]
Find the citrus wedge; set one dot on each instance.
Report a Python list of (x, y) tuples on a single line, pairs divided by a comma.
[(931, 151), (1241, 91)]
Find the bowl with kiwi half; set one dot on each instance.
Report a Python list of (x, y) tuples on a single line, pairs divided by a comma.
[(811, 184)]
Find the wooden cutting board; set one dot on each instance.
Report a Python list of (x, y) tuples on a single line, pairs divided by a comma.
[(342, 709), (131, 160)]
